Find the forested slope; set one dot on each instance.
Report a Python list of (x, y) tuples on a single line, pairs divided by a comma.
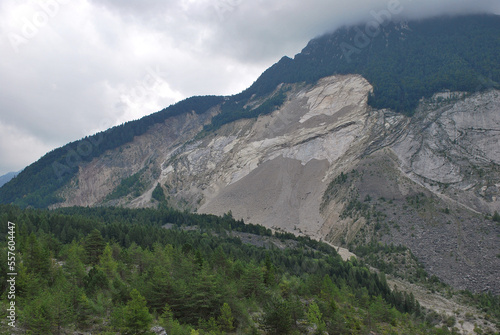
[(119, 271), (38, 183), (404, 61)]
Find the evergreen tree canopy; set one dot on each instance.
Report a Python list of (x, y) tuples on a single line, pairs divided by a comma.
[(216, 285)]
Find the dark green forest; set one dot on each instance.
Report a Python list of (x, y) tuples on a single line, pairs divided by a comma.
[(402, 63), (38, 183), (121, 271)]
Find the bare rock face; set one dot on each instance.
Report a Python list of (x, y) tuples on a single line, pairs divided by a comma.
[(279, 170), (97, 179), (286, 157), (454, 150)]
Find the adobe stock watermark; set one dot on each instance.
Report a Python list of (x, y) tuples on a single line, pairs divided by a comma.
[(75, 155), (11, 274), (224, 7), (150, 84), (32, 25), (372, 29)]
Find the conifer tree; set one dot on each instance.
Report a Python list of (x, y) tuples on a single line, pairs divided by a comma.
[(74, 266), (253, 281), (137, 319), (94, 246), (277, 318), (159, 290), (60, 304), (37, 258), (269, 274), (83, 311), (226, 320), (315, 317), (107, 263)]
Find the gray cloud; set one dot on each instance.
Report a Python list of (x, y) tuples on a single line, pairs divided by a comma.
[(71, 68)]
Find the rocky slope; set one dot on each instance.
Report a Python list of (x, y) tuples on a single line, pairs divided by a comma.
[(325, 164)]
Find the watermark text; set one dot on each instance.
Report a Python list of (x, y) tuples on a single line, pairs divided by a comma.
[(11, 273), (32, 24), (372, 29)]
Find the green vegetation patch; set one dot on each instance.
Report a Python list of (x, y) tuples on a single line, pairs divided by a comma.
[(233, 110), (118, 271), (403, 64), (38, 184), (131, 185)]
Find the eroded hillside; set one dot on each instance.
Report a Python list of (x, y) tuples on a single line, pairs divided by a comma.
[(327, 165)]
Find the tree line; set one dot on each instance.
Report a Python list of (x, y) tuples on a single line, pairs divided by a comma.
[(114, 270)]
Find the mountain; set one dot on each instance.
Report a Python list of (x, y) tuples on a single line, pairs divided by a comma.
[(404, 61), (392, 140), (7, 177)]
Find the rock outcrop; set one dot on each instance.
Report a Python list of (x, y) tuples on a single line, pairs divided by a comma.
[(277, 170)]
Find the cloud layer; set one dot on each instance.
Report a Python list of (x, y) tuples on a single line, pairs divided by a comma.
[(71, 68)]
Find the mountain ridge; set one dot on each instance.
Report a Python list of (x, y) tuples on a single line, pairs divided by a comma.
[(38, 185), (327, 165), (7, 177), (341, 53), (318, 156)]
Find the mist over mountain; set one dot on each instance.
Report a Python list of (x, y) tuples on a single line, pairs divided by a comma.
[(404, 61)]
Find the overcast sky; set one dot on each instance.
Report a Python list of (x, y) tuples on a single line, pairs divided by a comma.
[(70, 68)]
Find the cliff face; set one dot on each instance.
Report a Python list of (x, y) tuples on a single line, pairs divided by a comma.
[(324, 164), (452, 149)]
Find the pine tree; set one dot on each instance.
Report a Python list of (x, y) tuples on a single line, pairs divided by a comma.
[(38, 316), (84, 311), (94, 246), (205, 298), (277, 318), (73, 266), (253, 281), (37, 258), (226, 320), (60, 304), (28, 284), (137, 319), (159, 288), (315, 317), (379, 310), (269, 273), (296, 308), (107, 263), (95, 279)]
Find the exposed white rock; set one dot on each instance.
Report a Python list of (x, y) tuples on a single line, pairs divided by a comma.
[(288, 160), (331, 95), (451, 144), (274, 170)]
